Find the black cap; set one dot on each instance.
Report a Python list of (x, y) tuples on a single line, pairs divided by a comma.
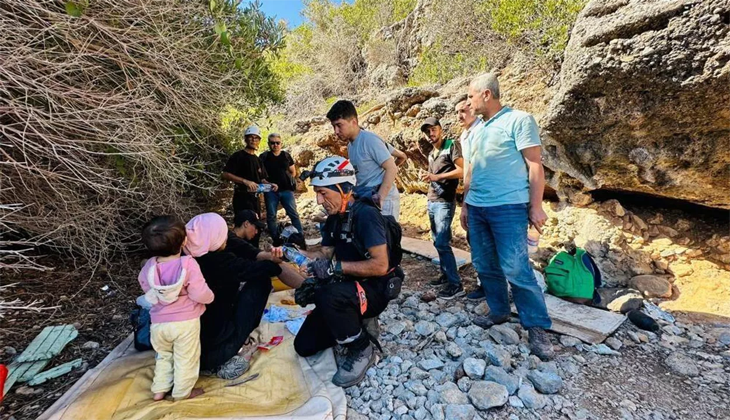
[(430, 122), (248, 216)]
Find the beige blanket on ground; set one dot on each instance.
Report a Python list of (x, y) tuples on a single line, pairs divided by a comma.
[(289, 387)]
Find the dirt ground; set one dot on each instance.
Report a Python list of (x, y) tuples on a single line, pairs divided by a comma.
[(98, 304)]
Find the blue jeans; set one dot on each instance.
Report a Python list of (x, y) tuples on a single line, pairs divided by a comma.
[(290, 206), (441, 214), (499, 252)]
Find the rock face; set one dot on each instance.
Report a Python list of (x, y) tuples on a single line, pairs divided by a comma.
[(651, 286), (642, 102)]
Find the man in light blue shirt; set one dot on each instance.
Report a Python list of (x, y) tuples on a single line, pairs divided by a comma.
[(469, 123), (371, 157), (502, 195)]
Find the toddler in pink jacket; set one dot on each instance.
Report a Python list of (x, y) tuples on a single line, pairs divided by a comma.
[(177, 291)]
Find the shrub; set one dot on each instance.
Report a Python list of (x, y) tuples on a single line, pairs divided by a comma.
[(438, 65), (111, 112), (541, 26)]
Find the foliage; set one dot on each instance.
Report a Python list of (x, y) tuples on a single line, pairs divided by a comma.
[(541, 25), (325, 56), (112, 112), (438, 65), (463, 43), (249, 39), (342, 44), (289, 65)]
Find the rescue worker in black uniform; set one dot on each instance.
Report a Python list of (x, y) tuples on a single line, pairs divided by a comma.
[(354, 275)]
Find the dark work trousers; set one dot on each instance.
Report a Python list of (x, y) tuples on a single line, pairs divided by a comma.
[(337, 315), (244, 200), (246, 316)]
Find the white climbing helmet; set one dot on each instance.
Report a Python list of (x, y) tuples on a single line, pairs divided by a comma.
[(333, 170)]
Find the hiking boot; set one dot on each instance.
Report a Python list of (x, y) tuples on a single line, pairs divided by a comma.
[(354, 366), (489, 321), (372, 326), (477, 295), (340, 352), (233, 368), (452, 291), (439, 281), (540, 344)]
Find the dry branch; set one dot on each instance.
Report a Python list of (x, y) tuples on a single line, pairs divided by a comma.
[(18, 305), (105, 119)]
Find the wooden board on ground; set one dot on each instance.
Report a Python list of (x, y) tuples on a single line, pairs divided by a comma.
[(46, 345), (588, 324), (124, 348), (55, 372), (426, 249)]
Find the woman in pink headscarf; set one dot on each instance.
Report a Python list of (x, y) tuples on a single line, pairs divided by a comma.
[(241, 288)]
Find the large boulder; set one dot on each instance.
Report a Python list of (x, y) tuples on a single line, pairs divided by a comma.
[(642, 104), (402, 99)]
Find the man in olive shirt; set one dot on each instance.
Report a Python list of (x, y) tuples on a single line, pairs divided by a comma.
[(444, 171)]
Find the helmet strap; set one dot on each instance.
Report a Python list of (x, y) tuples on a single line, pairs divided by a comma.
[(345, 198)]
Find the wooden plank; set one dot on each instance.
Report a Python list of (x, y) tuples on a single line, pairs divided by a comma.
[(23, 372), (586, 323), (31, 369), (86, 381), (426, 249), (584, 317), (55, 372), (49, 343), (584, 335), (29, 353)]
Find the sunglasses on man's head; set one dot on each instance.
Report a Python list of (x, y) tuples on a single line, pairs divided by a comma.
[(274, 143)]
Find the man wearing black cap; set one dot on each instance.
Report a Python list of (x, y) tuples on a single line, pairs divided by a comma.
[(246, 225), (444, 171)]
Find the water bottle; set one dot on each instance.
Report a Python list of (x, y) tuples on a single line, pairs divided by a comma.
[(293, 255), (288, 231), (264, 188), (533, 240)]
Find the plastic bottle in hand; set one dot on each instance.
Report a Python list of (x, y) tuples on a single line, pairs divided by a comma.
[(288, 231), (264, 188), (293, 255), (533, 240)]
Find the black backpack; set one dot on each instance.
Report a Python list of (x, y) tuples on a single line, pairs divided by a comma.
[(393, 232), (141, 322)]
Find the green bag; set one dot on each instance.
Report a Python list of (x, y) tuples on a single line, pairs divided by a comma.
[(573, 276)]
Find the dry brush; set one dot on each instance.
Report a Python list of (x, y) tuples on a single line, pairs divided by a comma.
[(108, 117)]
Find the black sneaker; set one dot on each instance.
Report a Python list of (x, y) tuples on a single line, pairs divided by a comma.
[(540, 344), (477, 295), (439, 281), (489, 321), (452, 291)]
